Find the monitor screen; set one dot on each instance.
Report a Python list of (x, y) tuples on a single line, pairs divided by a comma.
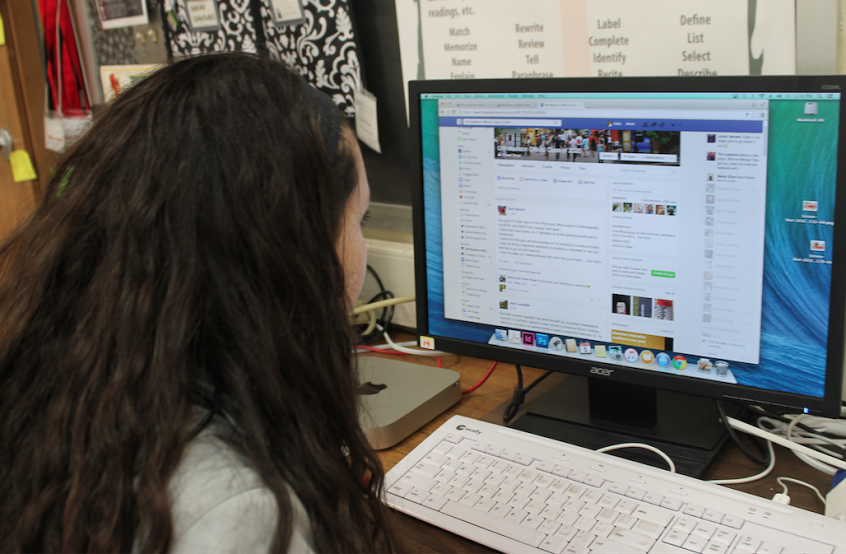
[(676, 233)]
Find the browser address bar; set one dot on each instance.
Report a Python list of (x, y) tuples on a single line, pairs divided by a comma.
[(483, 122)]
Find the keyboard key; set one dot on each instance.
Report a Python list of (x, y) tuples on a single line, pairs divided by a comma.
[(549, 526), (637, 494), (417, 480), (541, 494), (434, 501), (485, 504), (469, 457), (705, 530), (625, 521), (503, 527), (733, 522), (695, 544), (429, 470), (723, 536), (399, 488), (693, 510), (591, 496), (532, 521), (608, 501), (470, 499), (561, 471), (631, 538), (715, 548), (455, 494), (535, 506), (602, 529), (523, 459), (493, 450), (653, 498), (528, 476), (567, 532), (434, 458), (590, 510), (518, 501), (416, 495), (507, 454), (516, 515), (713, 516), (618, 488), (648, 528), (453, 438), (594, 481), (500, 509), (607, 546), (671, 504), (653, 513), (546, 467), (553, 544), (568, 517), (675, 537), (747, 544), (686, 525), (442, 448), (769, 548), (480, 446), (551, 512), (441, 489), (484, 461), (626, 506), (455, 452), (578, 476)]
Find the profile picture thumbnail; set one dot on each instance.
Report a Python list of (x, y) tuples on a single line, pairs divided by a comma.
[(711, 156)]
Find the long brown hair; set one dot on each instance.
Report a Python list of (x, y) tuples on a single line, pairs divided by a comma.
[(183, 254)]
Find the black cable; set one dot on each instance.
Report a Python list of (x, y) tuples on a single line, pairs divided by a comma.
[(520, 394), (746, 452), (387, 312)]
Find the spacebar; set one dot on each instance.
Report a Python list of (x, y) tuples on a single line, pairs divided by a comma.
[(497, 525)]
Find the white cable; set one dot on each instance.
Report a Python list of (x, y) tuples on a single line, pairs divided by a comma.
[(416, 352), (753, 477), (803, 483), (640, 445), (746, 428), (825, 468)]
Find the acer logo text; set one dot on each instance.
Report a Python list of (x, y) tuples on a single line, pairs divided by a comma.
[(601, 371)]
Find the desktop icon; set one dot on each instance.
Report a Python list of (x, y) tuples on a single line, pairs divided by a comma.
[(556, 343), (704, 365), (647, 357), (631, 355), (501, 334), (679, 362), (528, 339), (663, 359), (811, 108), (571, 344), (615, 352), (810, 205), (599, 350), (584, 347), (541, 340), (514, 336)]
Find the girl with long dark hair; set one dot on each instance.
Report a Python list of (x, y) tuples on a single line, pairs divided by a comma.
[(176, 367)]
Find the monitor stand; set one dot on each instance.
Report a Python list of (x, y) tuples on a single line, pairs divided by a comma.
[(593, 413)]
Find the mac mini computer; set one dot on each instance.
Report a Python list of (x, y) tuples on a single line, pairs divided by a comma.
[(398, 398)]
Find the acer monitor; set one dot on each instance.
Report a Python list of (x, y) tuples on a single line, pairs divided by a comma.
[(667, 241)]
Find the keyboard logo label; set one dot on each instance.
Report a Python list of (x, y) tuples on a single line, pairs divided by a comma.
[(601, 371), (465, 428)]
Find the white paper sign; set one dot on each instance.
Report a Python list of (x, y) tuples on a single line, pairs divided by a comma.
[(287, 12), (366, 120), (202, 14), (473, 39)]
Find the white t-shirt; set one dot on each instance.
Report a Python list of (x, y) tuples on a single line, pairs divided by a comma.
[(221, 505)]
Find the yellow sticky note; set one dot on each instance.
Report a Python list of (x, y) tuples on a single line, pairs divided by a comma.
[(2, 32), (22, 169)]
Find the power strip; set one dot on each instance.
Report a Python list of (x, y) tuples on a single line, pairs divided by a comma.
[(394, 262)]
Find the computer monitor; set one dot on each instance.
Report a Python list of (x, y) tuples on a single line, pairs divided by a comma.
[(670, 240)]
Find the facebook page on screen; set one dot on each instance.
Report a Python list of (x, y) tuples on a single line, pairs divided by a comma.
[(594, 222)]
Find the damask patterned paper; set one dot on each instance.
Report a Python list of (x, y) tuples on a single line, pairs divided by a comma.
[(323, 48)]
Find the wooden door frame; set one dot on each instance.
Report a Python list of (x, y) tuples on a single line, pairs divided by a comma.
[(24, 54)]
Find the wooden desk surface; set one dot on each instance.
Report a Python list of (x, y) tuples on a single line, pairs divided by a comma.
[(488, 402)]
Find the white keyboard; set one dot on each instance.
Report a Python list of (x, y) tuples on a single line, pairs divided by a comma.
[(517, 492)]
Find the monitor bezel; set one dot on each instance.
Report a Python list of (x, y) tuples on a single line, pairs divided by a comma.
[(829, 405)]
